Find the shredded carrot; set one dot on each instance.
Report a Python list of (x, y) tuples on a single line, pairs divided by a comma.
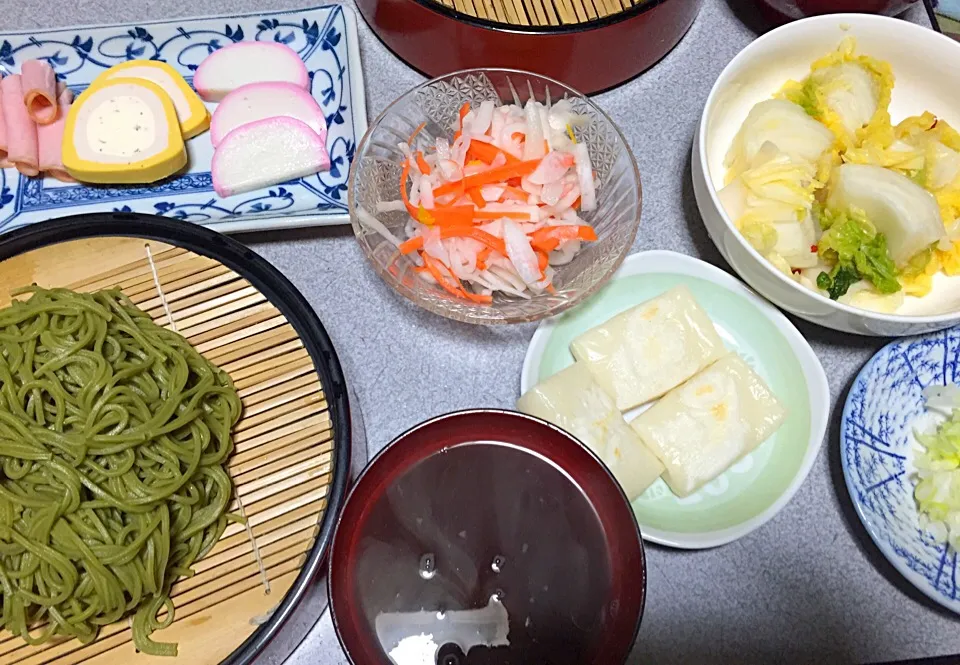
[(475, 297), (487, 152), (431, 265), (489, 177), (545, 245), (422, 164), (455, 288), (482, 257), (412, 245), (587, 233), (453, 216), (487, 215), (547, 238), (461, 209), (404, 175), (458, 188), (543, 261), (491, 241), (415, 132), (476, 197), (515, 193)]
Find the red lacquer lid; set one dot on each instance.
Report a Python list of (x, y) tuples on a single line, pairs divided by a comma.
[(589, 55)]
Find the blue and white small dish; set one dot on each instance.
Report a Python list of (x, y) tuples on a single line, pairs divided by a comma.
[(877, 448), (326, 39)]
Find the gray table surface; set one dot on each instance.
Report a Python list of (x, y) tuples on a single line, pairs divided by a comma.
[(808, 587)]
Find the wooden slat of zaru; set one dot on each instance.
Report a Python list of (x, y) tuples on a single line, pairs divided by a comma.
[(283, 458), (242, 349), (267, 517), (211, 287), (291, 440), (236, 298), (540, 12)]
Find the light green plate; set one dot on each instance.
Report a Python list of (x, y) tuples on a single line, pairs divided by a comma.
[(754, 489)]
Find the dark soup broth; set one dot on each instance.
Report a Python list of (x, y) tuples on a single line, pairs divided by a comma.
[(483, 553)]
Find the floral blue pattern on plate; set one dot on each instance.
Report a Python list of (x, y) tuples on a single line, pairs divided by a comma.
[(883, 410), (326, 39)]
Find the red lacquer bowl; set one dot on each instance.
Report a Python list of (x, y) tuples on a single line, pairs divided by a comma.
[(591, 56), (487, 537), (782, 10)]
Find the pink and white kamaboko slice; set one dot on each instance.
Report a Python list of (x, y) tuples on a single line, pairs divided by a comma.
[(236, 65), (266, 152), (258, 101)]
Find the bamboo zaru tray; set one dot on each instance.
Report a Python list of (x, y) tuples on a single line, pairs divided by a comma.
[(540, 12), (292, 443)]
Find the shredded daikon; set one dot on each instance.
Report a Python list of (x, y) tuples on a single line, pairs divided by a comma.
[(375, 224), (494, 208)]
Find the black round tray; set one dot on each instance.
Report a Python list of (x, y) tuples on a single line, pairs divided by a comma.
[(298, 312)]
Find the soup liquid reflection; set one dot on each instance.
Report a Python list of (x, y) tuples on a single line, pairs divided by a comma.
[(484, 553)]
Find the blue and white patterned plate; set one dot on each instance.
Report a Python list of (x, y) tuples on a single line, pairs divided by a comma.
[(877, 446), (326, 39)]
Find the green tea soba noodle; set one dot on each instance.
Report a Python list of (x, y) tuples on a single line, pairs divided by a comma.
[(114, 436)]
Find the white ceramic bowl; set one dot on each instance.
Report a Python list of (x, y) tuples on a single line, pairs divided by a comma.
[(927, 69)]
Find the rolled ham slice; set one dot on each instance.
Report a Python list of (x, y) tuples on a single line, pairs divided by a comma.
[(50, 140), (22, 148), (4, 162), (39, 83), (64, 93)]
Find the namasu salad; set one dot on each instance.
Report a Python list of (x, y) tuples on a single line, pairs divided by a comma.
[(495, 207)]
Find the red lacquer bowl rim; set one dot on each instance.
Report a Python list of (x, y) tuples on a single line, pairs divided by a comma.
[(563, 29), (392, 449)]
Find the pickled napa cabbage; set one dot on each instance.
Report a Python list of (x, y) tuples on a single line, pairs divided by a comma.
[(783, 124), (905, 213), (851, 244), (846, 92), (771, 202)]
